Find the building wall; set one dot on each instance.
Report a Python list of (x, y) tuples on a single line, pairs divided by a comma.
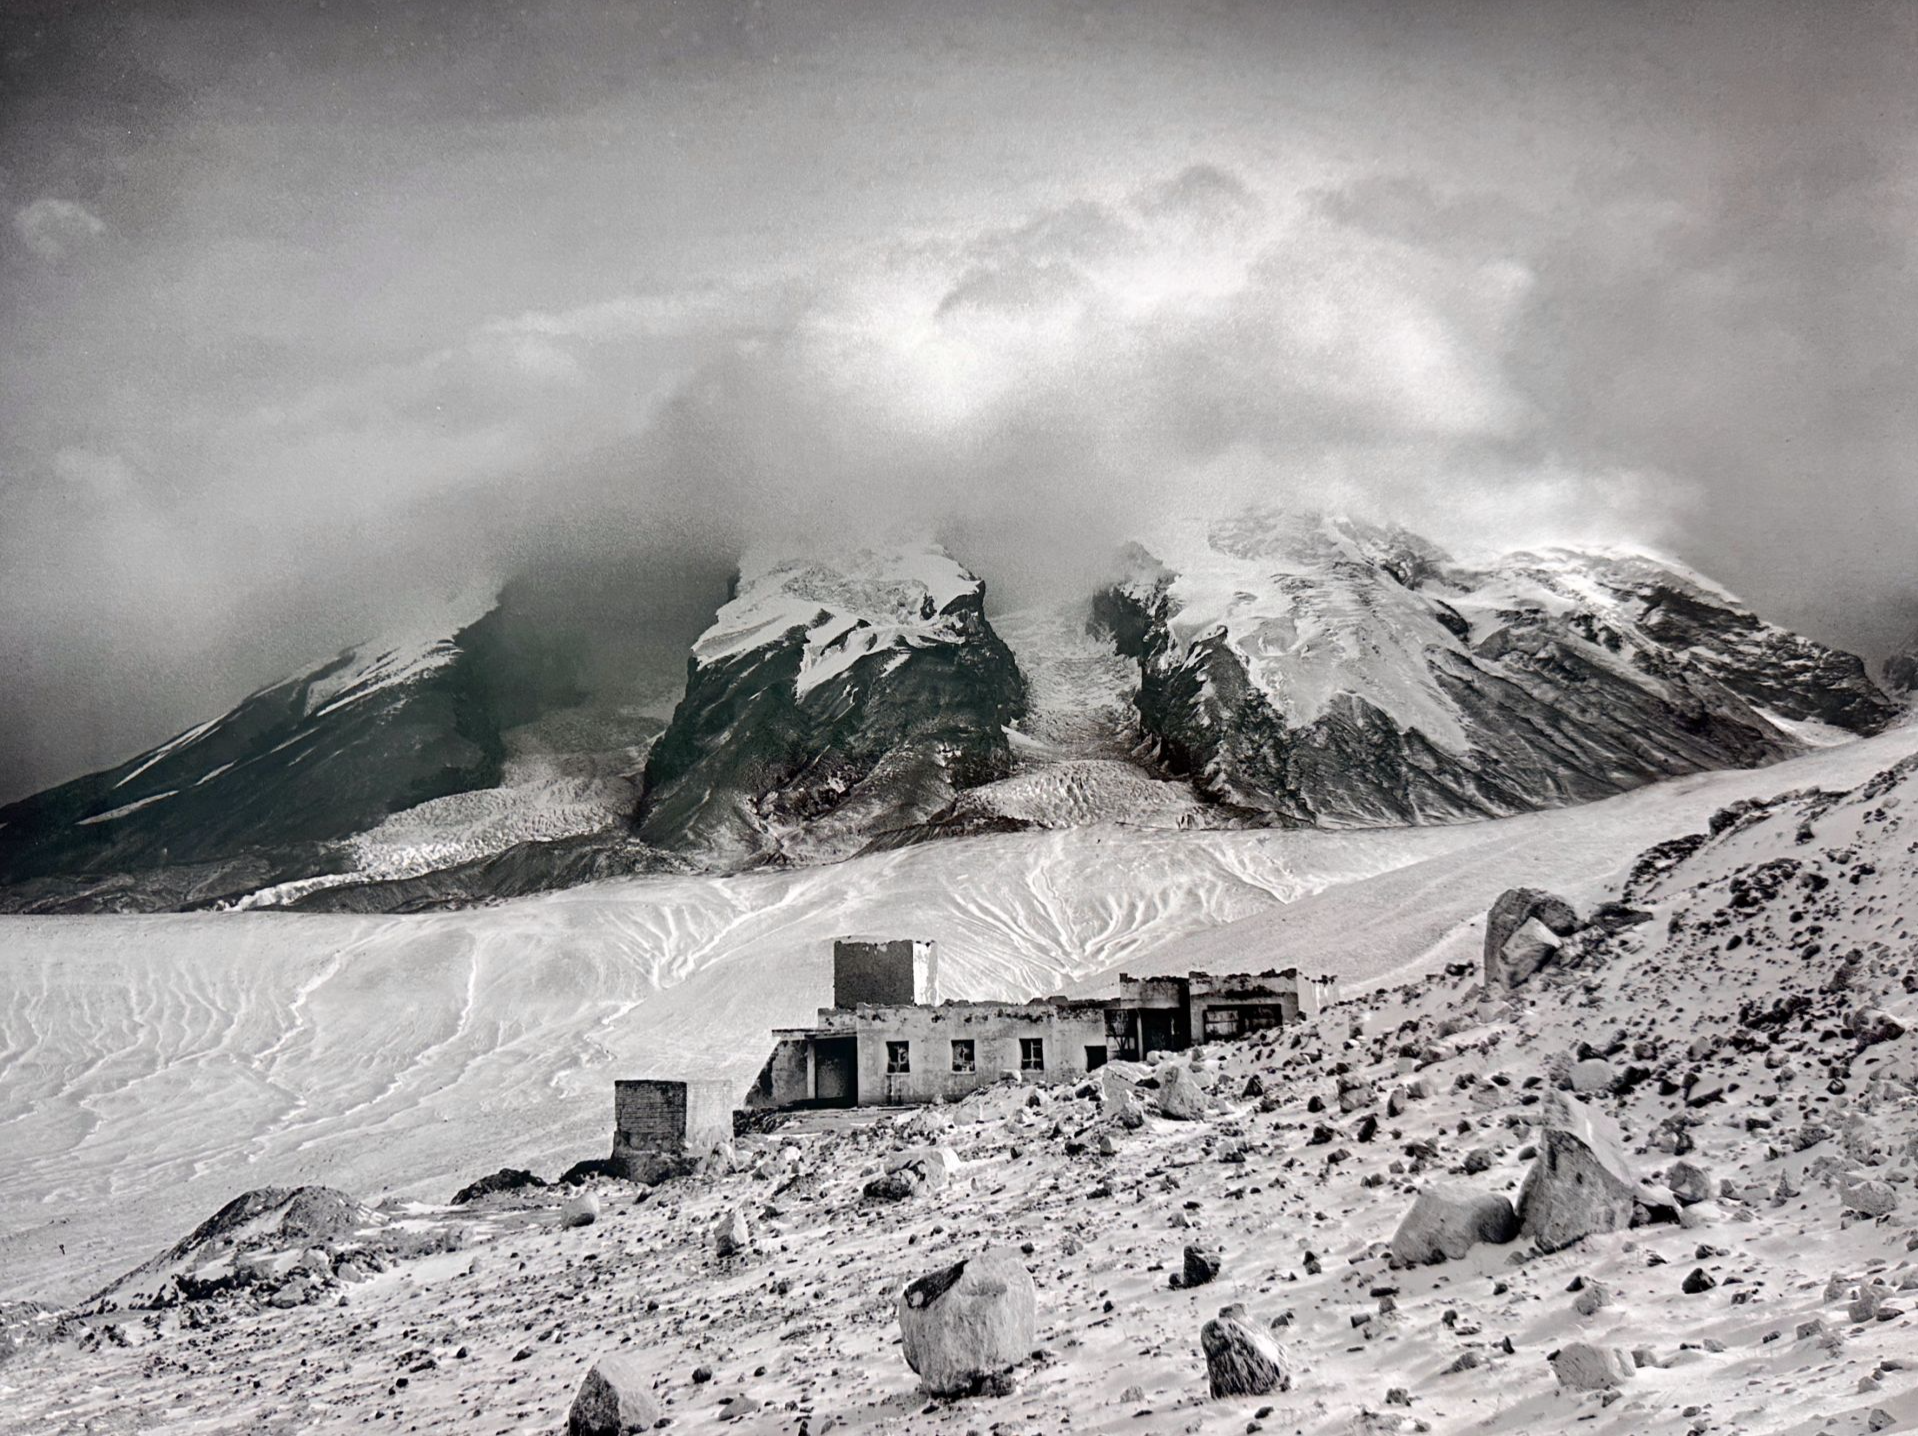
[(678, 1118), (880, 971), (789, 1071), (993, 1029)]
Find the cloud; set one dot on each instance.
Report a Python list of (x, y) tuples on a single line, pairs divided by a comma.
[(55, 228), (102, 476)]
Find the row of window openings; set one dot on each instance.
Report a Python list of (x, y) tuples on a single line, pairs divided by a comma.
[(1032, 1056)]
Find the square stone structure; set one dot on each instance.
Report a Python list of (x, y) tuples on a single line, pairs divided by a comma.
[(671, 1120), (880, 971)]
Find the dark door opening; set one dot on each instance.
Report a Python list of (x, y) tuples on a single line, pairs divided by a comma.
[(1158, 1033), (836, 1072), (1095, 1057)]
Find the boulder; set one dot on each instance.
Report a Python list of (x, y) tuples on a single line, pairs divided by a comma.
[(1582, 1366), (732, 1234), (1522, 933), (581, 1211), (891, 1187), (1242, 1357), (1117, 1081), (1447, 1220), (1869, 1196), (1180, 1095), (1690, 1183), (966, 1326), (1202, 1264), (1594, 1074), (615, 1399), (1581, 1181), (928, 1167)]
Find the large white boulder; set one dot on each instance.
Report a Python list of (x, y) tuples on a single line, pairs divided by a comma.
[(1583, 1366), (1447, 1220), (930, 1168), (732, 1234), (965, 1327), (1180, 1095)]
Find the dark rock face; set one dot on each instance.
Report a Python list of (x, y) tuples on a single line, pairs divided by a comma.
[(258, 795), (859, 702), (1321, 672), (506, 1179), (1901, 671)]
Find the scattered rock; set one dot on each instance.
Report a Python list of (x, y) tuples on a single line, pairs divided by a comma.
[(581, 1211)]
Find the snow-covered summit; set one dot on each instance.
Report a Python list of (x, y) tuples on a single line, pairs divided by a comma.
[(868, 601), (834, 697), (1330, 670)]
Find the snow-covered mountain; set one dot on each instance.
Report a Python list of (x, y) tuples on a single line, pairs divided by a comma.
[(1327, 672), (1269, 668), (830, 700), (437, 748)]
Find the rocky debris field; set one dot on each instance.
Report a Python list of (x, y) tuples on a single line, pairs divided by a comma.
[(1649, 1170)]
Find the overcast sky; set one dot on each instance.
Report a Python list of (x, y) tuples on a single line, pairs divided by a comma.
[(317, 312)]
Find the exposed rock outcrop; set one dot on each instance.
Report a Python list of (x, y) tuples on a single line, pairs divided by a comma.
[(1321, 671), (828, 702)]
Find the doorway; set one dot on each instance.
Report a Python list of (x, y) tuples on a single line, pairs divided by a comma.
[(836, 1072)]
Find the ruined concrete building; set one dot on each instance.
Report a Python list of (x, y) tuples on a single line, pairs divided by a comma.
[(887, 1040)]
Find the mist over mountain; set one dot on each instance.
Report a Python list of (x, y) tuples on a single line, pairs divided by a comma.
[(322, 315), (1267, 667)]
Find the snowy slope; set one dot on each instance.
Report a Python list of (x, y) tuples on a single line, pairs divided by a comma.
[(389, 1053), (1760, 1026), (1335, 673)]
